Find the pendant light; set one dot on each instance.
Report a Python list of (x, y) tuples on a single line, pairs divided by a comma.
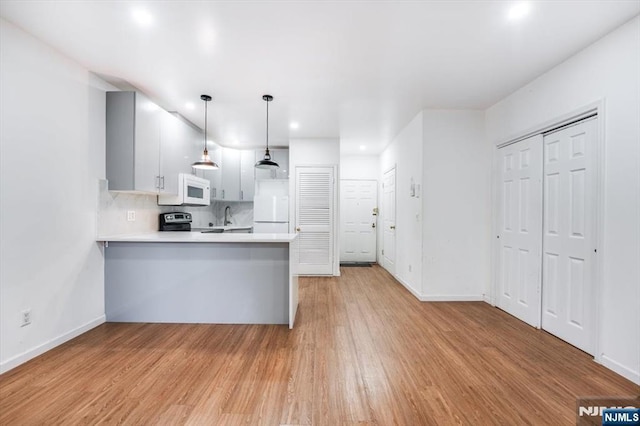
[(205, 163), (266, 162)]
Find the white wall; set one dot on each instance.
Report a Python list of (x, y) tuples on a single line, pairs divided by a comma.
[(317, 152), (456, 206), (360, 167), (52, 153), (113, 207), (608, 70), (405, 153), (443, 242)]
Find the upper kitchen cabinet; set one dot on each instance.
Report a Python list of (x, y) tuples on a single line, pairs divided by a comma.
[(179, 142), (280, 156), (213, 176), (230, 174), (133, 142), (147, 147), (247, 175), (235, 180)]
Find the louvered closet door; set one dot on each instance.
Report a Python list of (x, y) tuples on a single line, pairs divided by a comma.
[(314, 219)]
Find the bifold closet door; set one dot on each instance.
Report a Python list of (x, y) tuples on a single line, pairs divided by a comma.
[(520, 229), (568, 240)]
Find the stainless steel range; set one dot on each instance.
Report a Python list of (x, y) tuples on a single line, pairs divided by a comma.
[(175, 221)]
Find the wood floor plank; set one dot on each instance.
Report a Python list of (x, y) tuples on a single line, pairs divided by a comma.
[(364, 351)]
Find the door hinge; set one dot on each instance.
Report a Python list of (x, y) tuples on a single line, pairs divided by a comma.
[(383, 252)]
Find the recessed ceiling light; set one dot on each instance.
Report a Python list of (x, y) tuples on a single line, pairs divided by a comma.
[(142, 17), (362, 147), (294, 125), (189, 105), (519, 10)]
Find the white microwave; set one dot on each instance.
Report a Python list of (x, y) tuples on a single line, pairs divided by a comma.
[(192, 191)]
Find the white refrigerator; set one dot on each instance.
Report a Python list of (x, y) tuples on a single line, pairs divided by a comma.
[(271, 214)]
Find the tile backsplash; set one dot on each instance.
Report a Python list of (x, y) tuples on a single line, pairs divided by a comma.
[(241, 212), (113, 207)]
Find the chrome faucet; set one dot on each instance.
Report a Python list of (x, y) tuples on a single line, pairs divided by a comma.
[(227, 215)]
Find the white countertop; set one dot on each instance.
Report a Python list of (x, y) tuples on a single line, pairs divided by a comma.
[(198, 237), (225, 228)]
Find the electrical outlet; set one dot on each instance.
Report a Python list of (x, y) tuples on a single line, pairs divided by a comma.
[(25, 317), (131, 216)]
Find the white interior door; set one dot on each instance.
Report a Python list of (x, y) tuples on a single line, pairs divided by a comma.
[(389, 221), (314, 219), (520, 229), (568, 238), (358, 200)]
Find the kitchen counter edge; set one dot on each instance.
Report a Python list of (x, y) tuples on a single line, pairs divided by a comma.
[(197, 237)]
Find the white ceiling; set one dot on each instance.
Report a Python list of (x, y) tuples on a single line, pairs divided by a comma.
[(357, 70)]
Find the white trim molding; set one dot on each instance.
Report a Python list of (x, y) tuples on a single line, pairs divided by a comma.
[(413, 291), (441, 297), (454, 298), (625, 372), (20, 359)]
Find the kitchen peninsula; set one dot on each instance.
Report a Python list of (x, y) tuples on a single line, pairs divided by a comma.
[(193, 277)]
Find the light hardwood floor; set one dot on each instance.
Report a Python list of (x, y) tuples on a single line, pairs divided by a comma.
[(364, 351)]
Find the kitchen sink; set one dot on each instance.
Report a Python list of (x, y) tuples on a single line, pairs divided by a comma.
[(221, 229), (239, 230)]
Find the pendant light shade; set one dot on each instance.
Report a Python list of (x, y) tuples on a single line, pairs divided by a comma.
[(266, 162), (205, 163)]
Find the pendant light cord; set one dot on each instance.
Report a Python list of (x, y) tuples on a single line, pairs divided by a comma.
[(205, 124), (267, 126)]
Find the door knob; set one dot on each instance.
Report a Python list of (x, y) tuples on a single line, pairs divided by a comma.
[(298, 229), (392, 227)]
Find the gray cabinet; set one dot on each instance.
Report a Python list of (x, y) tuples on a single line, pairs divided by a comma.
[(178, 150), (247, 175), (133, 142), (147, 147), (230, 174), (236, 178), (213, 176)]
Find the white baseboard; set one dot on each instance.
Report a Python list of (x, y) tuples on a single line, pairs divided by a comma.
[(440, 297), (487, 299), (19, 359), (453, 298), (622, 370), (408, 287)]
